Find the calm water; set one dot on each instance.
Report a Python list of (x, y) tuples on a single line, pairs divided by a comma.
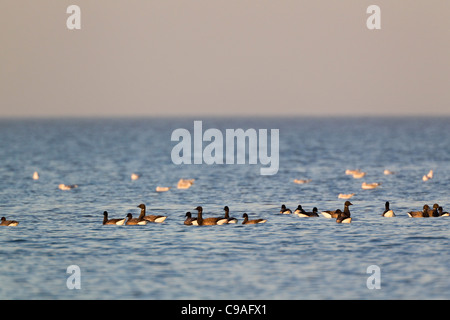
[(286, 258)]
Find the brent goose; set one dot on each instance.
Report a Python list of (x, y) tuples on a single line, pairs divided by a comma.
[(207, 221), (334, 214), (255, 221), (227, 215), (303, 214), (387, 211), (118, 222), (441, 213), (343, 217), (285, 210), (9, 223), (434, 212), (189, 220), (419, 214), (135, 221), (151, 217)]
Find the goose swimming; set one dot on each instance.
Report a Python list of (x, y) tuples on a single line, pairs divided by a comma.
[(151, 217), (285, 210), (387, 211), (255, 221), (9, 223), (119, 222)]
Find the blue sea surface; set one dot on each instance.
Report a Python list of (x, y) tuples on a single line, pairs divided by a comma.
[(286, 258)]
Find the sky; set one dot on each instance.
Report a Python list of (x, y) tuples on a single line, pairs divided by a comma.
[(135, 58)]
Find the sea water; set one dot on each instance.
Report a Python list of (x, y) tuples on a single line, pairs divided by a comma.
[(286, 258)]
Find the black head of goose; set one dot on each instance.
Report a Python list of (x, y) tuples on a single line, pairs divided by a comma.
[(299, 209), (314, 212), (9, 223), (207, 221), (227, 215), (302, 213), (387, 211), (118, 222), (343, 217), (255, 221), (285, 210), (434, 211), (189, 220), (134, 221), (151, 217), (346, 209), (442, 213)]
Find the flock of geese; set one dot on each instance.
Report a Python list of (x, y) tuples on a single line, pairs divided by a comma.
[(143, 219), (341, 216), (344, 216)]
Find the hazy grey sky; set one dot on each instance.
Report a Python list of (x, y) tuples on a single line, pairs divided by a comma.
[(224, 57)]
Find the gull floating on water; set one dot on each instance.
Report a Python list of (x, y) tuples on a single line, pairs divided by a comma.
[(367, 186), (63, 186), (428, 176), (357, 174), (162, 189), (134, 176), (302, 181), (185, 183), (345, 196)]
